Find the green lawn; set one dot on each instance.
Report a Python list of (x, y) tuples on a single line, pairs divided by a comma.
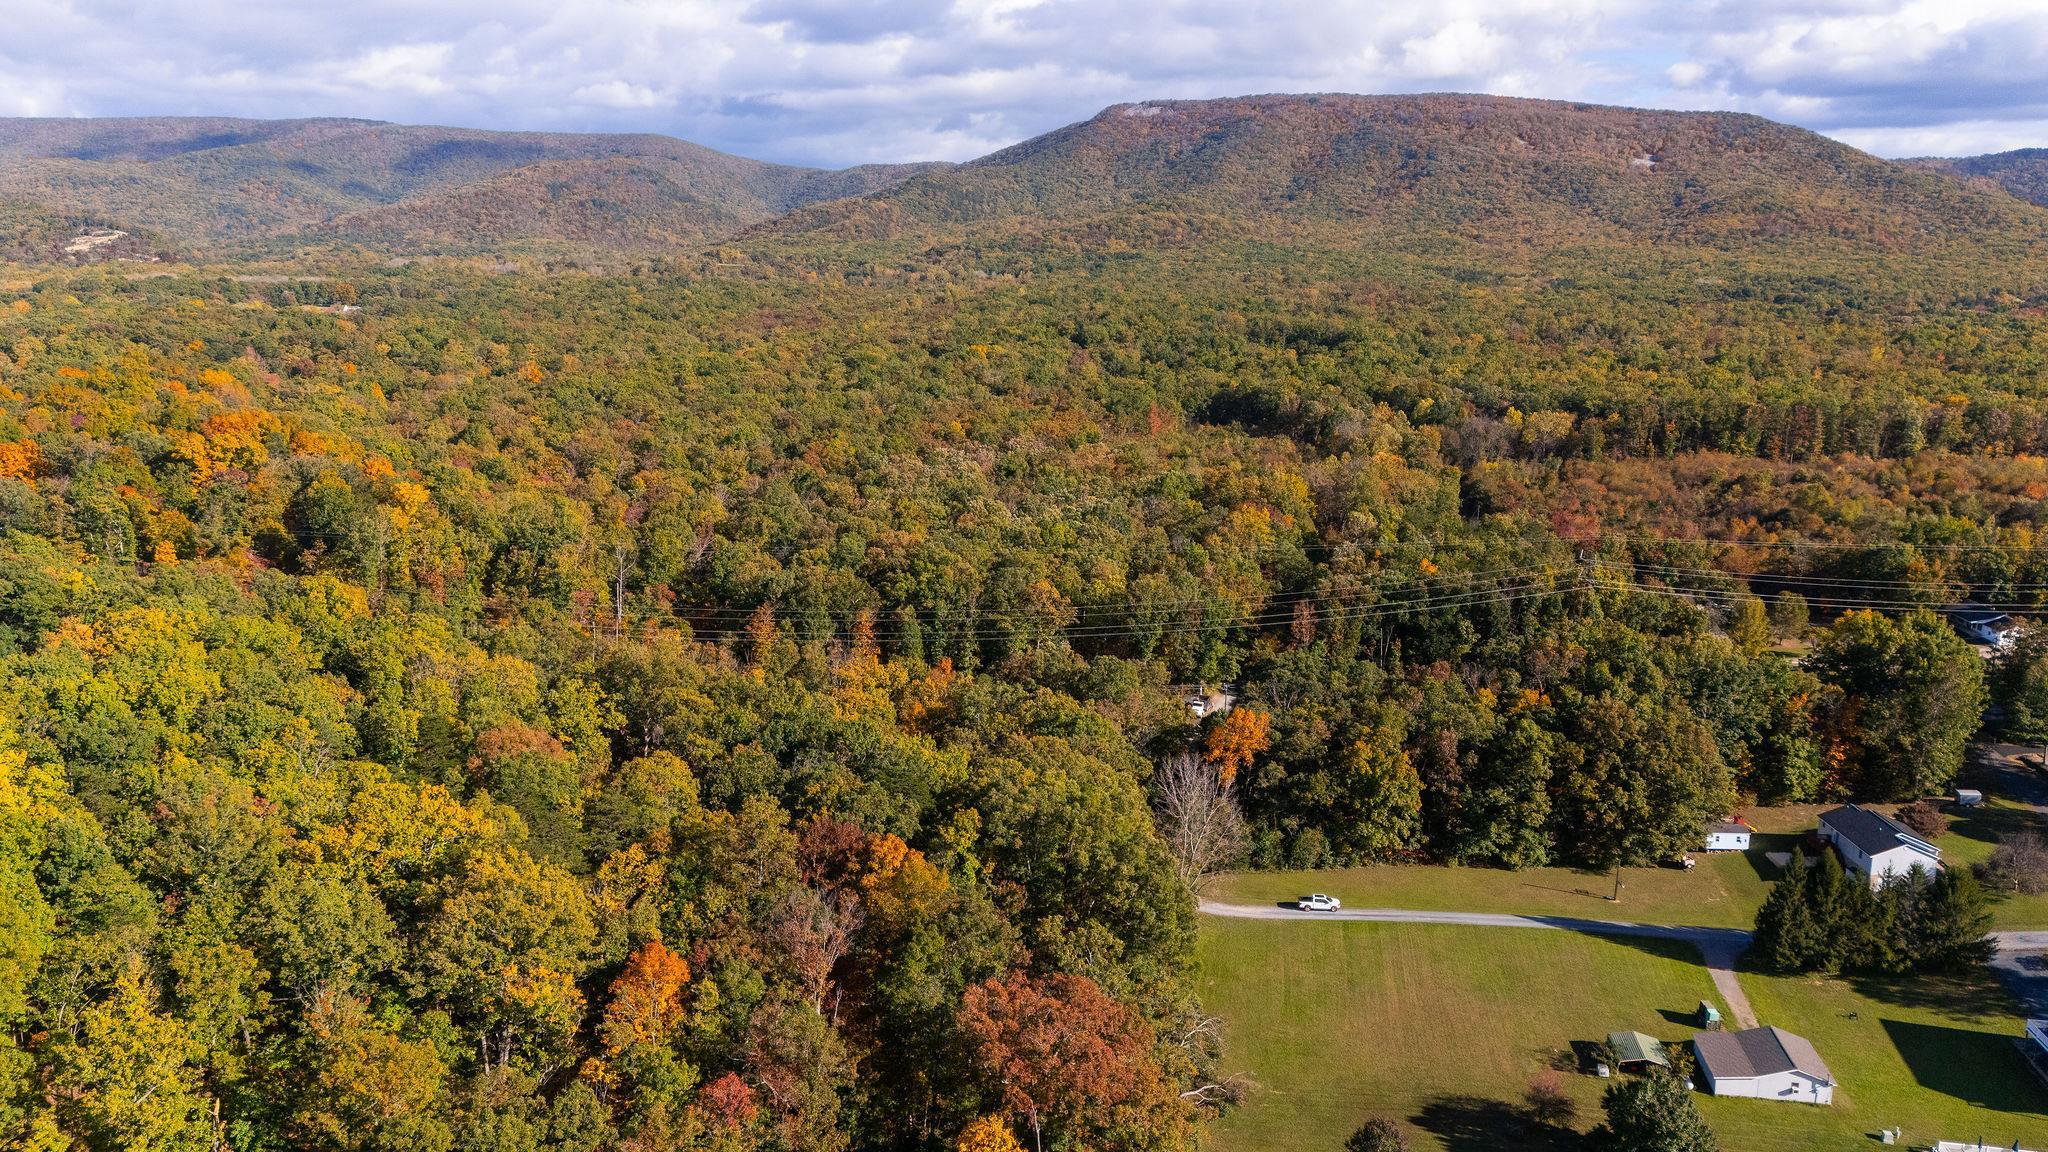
[(1442, 1028), (1973, 833), (1439, 1027), (1724, 891)]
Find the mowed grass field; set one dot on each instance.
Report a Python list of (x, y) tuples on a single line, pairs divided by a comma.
[(1931, 1055), (1973, 833), (1442, 1028), (1723, 891), (1439, 1027)]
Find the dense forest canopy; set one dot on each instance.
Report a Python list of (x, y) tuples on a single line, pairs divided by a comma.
[(738, 699)]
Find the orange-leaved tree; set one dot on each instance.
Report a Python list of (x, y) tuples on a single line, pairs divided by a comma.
[(1243, 734), (646, 1001), (1070, 1057)]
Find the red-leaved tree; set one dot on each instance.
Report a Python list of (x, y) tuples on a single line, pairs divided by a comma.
[(1069, 1056)]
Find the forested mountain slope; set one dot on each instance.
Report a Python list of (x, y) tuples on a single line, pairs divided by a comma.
[(2022, 172), (224, 186), (1493, 169), (1496, 172)]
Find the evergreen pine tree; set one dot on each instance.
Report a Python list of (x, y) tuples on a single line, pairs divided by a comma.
[(1867, 929), (1784, 927), (1948, 933), (1831, 902)]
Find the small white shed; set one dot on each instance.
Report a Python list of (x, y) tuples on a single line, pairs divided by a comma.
[(1728, 836), (1764, 1063)]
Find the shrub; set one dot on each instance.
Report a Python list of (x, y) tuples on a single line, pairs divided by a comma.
[(1925, 818), (1377, 1135), (1548, 1103)]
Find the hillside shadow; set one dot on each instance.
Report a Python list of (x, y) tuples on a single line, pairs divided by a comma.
[(1475, 1124), (1983, 1069)]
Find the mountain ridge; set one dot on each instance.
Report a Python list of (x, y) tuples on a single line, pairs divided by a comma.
[(2022, 171), (225, 184), (1440, 163), (1346, 168)]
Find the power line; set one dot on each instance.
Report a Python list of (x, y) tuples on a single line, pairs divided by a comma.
[(1468, 598), (1818, 581), (1328, 592)]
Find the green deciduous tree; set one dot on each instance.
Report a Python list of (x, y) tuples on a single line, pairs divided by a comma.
[(2019, 682), (1913, 692), (1653, 1113), (126, 1079)]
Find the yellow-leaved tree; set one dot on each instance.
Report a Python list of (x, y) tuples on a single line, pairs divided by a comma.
[(988, 1134)]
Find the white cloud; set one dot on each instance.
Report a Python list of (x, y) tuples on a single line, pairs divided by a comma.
[(1460, 48), (1961, 138), (1686, 73), (617, 94), (414, 68), (841, 81)]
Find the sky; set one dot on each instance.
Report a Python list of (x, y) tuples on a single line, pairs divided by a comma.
[(856, 81)]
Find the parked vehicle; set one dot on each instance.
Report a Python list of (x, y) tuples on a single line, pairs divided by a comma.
[(1319, 903)]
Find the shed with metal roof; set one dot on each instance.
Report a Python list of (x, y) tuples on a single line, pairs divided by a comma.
[(1636, 1052)]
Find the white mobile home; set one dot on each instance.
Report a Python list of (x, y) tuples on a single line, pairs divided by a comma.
[(1875, 845), (1765, 1063), (1728, 836)]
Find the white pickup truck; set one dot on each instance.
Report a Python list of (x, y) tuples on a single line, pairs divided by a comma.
[(1319, 903)]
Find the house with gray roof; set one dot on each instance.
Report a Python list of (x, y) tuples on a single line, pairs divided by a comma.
[(1876, 846), (1765, 1063)]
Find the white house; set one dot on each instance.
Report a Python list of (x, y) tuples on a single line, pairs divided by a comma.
[(1727, 836), (2037, 1036), (1991, 629), (1875, 845), (1766, 1063)]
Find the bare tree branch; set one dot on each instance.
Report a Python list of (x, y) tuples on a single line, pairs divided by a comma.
[(1199, 817)]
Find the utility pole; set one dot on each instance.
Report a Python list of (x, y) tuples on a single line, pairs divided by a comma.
[(619, 589)]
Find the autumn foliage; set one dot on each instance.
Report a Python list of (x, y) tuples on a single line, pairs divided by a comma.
[(646, 1004), (1231, 744), (1065, 1057)]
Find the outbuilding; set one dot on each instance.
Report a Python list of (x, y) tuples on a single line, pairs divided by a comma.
[(1728, 836), (1765, 1063), (1875, 845), (1637, 1052)]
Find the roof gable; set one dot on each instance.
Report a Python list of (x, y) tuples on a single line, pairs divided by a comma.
[(1635, 1047), (1873, 832), (1758, 1052)]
